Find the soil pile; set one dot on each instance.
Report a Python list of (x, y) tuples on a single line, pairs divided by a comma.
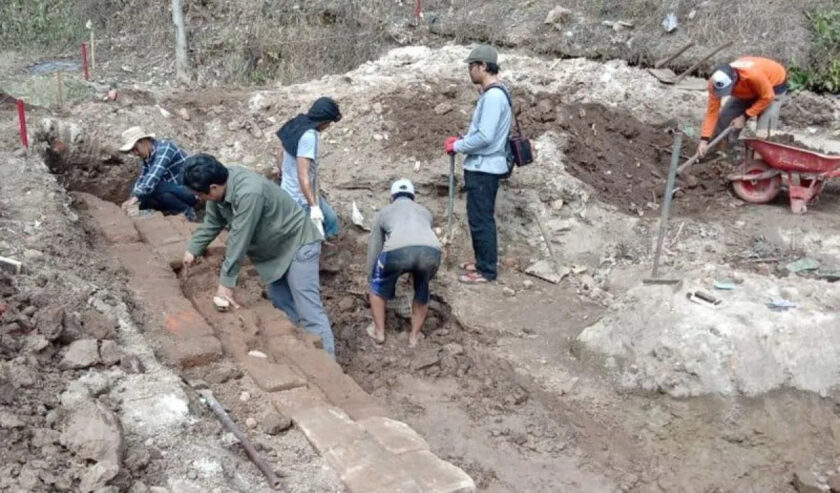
[(109, 177)]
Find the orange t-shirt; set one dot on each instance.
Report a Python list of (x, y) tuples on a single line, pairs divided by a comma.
[(756, 79)]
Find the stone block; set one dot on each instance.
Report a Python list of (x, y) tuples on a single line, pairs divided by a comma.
[(435, 475), (115, 225), (157, 231), (298, 401), (365, 467), (327, 426), (272, 377), (191, 352), (395, 436)]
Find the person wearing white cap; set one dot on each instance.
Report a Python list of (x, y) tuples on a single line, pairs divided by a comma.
[(401, 241), (756, 88), (159, 185)]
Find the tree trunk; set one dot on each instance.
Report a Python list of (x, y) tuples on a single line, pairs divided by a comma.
[(182, 64)]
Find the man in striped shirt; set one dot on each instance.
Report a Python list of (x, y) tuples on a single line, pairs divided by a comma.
[(159, 186)]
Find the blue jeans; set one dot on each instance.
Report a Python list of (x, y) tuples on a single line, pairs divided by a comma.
[(298, 294), (169, 198), (481, 209), (331, 225)]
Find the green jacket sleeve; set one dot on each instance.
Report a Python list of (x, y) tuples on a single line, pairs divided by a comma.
[(247, 212), (208, 231), (376, 241)]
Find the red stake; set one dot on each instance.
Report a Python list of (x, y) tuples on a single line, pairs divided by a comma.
[(85, 61), (24, 139), (418, 9)]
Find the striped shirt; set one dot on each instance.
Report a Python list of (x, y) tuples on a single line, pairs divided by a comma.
[(165, 164)]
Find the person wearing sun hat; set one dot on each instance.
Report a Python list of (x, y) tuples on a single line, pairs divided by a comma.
[(159, 185), (402, 241), (756, 88)]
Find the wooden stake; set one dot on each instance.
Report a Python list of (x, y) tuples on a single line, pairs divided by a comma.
[(92, 53), (60, 78)]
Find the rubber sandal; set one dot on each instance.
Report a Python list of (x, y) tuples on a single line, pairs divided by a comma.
[(371, 331), (473, 278), (467, 266)]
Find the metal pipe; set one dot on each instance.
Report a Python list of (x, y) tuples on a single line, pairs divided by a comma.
[(451, 196), (220, 413)]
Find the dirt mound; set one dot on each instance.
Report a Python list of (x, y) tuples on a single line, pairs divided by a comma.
[(806, 109), (109, 178), (626, 161)]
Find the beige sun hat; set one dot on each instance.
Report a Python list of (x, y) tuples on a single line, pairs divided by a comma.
[(131, 136)]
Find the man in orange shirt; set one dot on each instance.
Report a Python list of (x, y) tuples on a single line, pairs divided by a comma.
[(757, 88)]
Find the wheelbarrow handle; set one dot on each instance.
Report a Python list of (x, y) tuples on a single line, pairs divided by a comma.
[(713, 143)]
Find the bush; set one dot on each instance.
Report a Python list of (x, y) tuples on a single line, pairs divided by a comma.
[(823, 73), (42, 22)]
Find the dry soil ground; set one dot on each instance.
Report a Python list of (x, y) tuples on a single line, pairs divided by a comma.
[(594, 384)]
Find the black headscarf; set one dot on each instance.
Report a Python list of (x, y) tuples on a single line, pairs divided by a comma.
[(323, 110)]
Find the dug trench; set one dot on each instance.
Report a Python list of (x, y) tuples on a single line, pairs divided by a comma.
[(481, 411)]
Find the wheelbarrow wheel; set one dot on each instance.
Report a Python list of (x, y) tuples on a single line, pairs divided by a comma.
[(757, 191)]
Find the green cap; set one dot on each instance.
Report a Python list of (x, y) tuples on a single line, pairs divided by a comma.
[(483, 53)]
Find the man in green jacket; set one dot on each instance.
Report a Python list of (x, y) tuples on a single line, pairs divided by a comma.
[(267, 225)]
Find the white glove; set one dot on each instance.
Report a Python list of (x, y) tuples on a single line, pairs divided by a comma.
[(317, 217)]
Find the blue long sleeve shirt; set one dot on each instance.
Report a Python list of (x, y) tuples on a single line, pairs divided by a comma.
[(163, 166), (486, 141)]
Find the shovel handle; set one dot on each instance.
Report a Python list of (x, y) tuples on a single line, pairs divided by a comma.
[(713, 143), (451, 208), (701, 62)]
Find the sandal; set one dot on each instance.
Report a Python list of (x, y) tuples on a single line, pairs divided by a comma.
[(473, 278), (371, 331), (467, 266)]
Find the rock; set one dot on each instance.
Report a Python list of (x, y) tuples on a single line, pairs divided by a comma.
[(184, 114), (108, 489), (137, 459), (20, 375), (245, 396), (273, 422), (138, 487), (528, 284), (222, 373), (454, 349), (110, 353), (158, 489), (93, 432), (50, 322), (443, 108), (377, 108), (83, 353), (426, 358), (97, 325), (130, 363), (77, 392), (346, 303), (97, 475), (97, 383), (35, 343), (557, 204), (558, 15), (508, 291), (9, 421), (806, 482), (587, 283), (834, 483), (544, 269), (251, 423)]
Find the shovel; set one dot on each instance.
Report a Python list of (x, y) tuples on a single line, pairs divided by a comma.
[(667, 76)]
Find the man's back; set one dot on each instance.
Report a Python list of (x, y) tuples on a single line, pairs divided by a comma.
[(307, 148), (402, 223)]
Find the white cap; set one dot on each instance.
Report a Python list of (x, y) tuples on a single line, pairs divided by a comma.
[(403, 185), (722, 83)]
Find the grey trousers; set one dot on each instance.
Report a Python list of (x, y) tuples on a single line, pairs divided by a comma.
[(298, 294), (768, 120)]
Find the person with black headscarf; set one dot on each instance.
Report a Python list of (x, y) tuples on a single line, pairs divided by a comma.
[(300, 139)]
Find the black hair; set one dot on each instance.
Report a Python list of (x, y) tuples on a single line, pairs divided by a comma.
[(491, 68), (203, 170), (402, 194)]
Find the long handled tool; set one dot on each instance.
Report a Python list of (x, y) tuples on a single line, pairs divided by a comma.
[(666, 210), (220, 413), (667, 76), (451, 196), (712, 144)]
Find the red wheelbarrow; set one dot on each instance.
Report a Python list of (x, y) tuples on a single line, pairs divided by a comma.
[(767, 163)]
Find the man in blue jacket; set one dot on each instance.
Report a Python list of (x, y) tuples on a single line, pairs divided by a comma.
[(486, 161)]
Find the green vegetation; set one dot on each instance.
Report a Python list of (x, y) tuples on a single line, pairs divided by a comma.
[(823, 72), (42, 22)]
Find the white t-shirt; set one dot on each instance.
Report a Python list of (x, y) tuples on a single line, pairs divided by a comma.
[(308, 148)]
